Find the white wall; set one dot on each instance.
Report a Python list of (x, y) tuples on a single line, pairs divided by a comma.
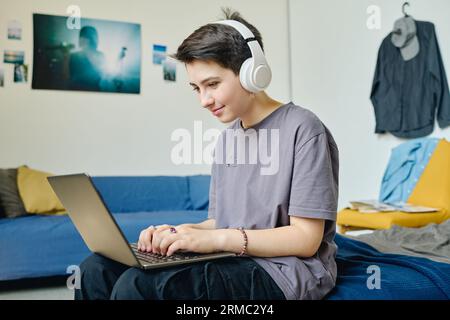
[(333, 58), (333, 62), (121, 134)]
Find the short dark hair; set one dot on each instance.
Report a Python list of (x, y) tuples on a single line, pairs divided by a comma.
[(220, 43)]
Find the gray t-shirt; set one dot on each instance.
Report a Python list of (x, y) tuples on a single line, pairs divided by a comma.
[(295, 173)]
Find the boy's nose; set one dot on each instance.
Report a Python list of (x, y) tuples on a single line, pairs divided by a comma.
[(206, 100)]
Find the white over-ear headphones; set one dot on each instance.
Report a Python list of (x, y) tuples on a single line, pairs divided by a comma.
[(255, 74)]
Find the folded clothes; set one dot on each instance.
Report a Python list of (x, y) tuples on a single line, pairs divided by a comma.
[(431, 241)]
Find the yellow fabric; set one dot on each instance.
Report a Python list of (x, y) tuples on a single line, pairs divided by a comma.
[(432, 190), (433, 187), (36, 193), (385, 220)]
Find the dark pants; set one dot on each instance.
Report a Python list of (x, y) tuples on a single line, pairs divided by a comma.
[(226, 278)]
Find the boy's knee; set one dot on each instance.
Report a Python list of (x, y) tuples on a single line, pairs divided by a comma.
[(92, 278), (93, 263), (132, 285), (126, 287)]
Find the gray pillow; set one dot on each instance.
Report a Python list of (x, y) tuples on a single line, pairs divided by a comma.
[(10, 200)]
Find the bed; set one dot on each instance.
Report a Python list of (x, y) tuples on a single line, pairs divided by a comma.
[(412, 264)]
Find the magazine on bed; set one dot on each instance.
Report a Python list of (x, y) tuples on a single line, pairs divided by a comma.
[(371, 206)]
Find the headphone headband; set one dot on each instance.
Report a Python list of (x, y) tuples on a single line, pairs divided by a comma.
[(257, 74), (249, 38), (242, 28)]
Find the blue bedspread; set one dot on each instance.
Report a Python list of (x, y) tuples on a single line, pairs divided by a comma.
[(402, 277)]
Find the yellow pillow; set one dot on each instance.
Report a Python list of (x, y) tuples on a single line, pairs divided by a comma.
[(36, 193), (433, 187)]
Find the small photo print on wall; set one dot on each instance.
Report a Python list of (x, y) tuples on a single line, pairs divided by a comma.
[(16, 57), (170, 70), (20, 73), (2, 78), (100, 55), (14, 30), (159, 53)]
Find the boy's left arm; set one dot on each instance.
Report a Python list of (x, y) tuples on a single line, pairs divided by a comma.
[(301, 238)]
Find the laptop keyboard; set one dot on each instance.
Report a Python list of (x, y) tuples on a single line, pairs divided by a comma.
[(158, 258)]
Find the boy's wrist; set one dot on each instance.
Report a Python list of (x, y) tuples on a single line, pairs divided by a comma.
[(228, 240)]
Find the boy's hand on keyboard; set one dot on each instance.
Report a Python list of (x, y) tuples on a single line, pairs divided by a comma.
[(146, 237), (161, 240), (187, 238)]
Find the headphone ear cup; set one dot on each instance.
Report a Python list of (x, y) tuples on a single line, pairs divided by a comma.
[(262, 76), (245, 76)]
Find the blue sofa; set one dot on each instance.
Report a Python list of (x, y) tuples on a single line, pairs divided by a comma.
[(42, 246)]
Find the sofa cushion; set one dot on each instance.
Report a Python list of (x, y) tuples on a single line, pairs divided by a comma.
[(36, 193), (148, 193), (11, 204), (199, 191)]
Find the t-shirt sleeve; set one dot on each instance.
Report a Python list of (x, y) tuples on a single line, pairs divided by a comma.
[(212, 194), (314, 186)]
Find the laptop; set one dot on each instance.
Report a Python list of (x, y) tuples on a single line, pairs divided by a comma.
[(100, 231)]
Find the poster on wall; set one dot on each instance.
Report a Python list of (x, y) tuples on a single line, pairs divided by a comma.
[(159, 53), (20, 73), (2, 78), (169, 70), (100, 55), (14, 30), (15, 57)]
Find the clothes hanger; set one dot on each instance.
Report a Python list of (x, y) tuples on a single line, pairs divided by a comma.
[(398, 31), (403, 9)]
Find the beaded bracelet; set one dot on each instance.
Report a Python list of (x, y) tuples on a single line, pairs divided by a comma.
[(244, 248)]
